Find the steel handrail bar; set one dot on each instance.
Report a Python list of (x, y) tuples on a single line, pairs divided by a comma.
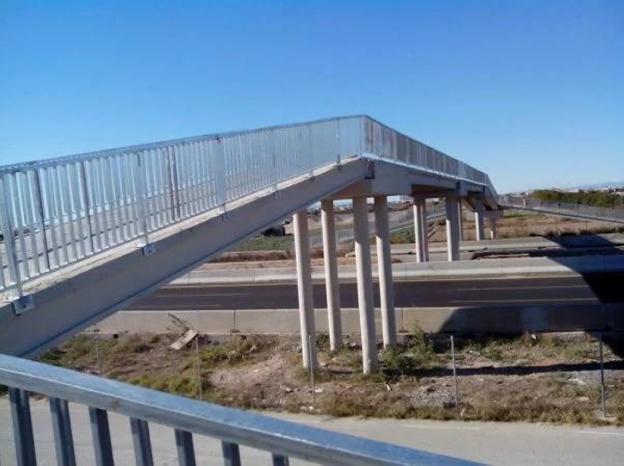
[(281, 438)]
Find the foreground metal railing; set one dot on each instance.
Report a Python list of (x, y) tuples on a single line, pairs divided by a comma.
[(186, 417), (562, 208), (54, 213)]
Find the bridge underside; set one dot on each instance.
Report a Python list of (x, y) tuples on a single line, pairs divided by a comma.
[(72, 299)]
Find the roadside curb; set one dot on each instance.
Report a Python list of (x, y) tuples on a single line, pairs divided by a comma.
[(433, 270)]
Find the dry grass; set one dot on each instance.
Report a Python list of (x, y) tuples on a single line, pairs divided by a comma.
[(537, 379)]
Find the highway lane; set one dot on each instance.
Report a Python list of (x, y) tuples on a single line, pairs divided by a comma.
[(429, 293)]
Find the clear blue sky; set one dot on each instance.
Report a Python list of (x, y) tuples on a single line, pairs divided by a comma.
[(530, 91)]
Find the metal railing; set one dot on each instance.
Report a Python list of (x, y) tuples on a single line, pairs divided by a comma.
[(54, 213), (282, 439), (604, 214)]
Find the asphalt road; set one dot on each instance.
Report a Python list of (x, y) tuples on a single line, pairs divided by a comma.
[(430, 293), (491, 442)]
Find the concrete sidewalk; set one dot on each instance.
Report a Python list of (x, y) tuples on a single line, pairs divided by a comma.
[(491, 443)]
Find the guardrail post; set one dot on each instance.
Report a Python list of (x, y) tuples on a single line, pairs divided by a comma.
[(231, 454), (142, 443), (22, 428), (63, 439), (100, 432), (9, 239), (280, 460), (184, 444)]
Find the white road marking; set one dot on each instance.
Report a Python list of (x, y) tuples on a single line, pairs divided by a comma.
[(591, 432), (199, 295), (478, 288), (437, 427), (529, 300)]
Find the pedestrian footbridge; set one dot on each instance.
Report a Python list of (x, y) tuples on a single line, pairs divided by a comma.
[(85, 235)]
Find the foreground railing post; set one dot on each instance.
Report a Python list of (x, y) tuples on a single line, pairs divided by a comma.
[(184, 445), (63, 438), (22, 428), (279, 460), (231, 454), (100, 432), (142, 444)]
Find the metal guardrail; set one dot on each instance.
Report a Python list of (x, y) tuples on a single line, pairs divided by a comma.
[(54, 213), (186, 417), (562, 208)]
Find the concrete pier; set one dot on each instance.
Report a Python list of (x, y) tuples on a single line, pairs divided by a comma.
[(364, 285), (420, 230), (452, 229), (304, 289), (332, 291), (384, 263)]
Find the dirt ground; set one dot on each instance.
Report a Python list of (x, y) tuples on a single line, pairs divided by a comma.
[(547, 378)]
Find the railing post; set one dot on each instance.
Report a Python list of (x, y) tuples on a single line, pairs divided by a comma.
[(141, 201), (142, 443), (280, 460), (184, 444), (85, 193), (9, 239), (40, 212), (231, 454), (63, 439), (221, 174), (22, 428), (101, 437)]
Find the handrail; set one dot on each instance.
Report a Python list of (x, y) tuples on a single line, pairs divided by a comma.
[(54, 213), (604, 214), (233, 427)]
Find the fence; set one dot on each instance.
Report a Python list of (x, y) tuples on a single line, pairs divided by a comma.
[(562, 208), (57, 212), (281, 439)]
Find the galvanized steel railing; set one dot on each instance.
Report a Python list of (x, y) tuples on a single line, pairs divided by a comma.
[(281, 439), (57, 212), (563, 208)]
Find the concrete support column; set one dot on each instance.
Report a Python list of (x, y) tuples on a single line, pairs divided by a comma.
[(384, 264), (304, 288), (479, 218), (332, 291), (492, 228), (452, 230), (364, 285), (460, 220), (420, 231)]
